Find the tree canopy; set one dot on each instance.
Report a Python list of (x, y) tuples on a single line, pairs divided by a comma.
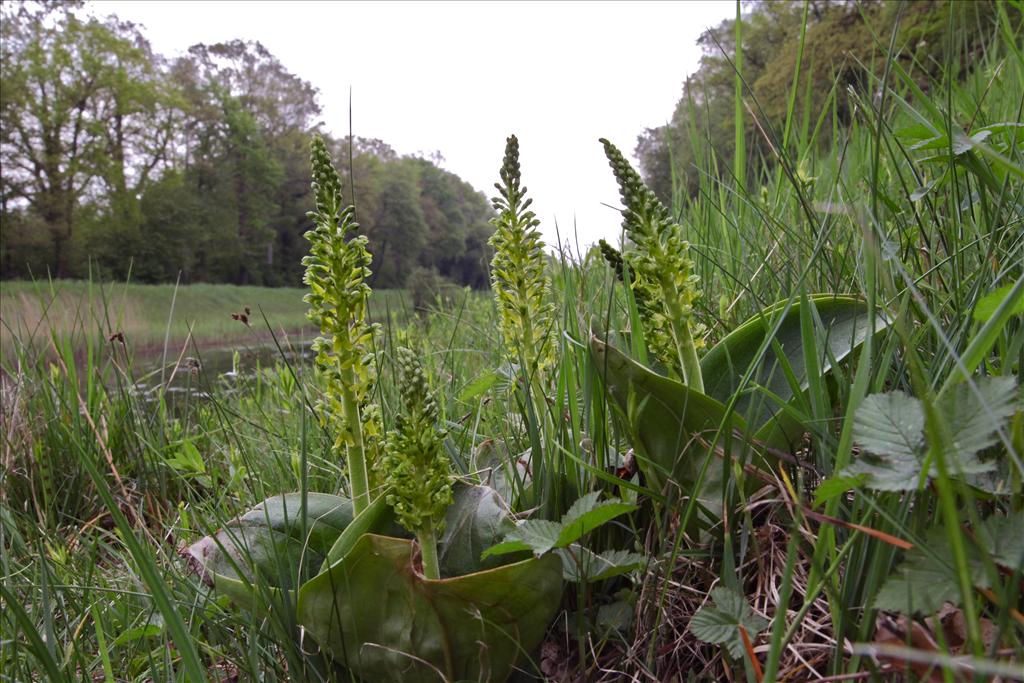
[(121, 161), (843, 43)]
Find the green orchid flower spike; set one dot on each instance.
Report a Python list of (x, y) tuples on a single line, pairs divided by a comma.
[(416, 468), (521, 287), (336, 270), (662, 273)]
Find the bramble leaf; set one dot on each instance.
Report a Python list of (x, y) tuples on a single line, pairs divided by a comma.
[(974, 417), (1001, 537), (536, 535), (582, 565), (718, 622), (540, 535), (890, 429), (588, 513), (925, 579), (890, 424)]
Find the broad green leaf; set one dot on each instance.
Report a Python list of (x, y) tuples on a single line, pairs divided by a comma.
[(926, 578), (327, 516), (918, 131), (987, 306), (664, 416), (479, 386), (985, 338), (239, 561), (376, 615), (581, 565), (377, 518), (718, 622), (588, 513), (844, 320), (268, 545), (149, 630), (476, 519)]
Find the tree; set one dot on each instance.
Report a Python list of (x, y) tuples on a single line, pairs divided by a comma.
[(116, 157), (840, 51), (399, 227), (81, 111), (285, 111)]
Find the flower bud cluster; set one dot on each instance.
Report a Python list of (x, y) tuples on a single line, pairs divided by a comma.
[(337, 267), (661, 270), (415, 465), (521, 286)]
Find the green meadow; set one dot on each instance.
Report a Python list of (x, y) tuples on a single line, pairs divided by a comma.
[(775, 432)]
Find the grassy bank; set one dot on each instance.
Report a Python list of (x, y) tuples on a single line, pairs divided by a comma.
[(149, 314)]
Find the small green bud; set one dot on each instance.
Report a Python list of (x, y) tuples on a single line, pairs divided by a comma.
[(415, 465), (661, 271), (521, 287)]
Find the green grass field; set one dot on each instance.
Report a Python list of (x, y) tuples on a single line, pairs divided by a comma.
[(149, 314)]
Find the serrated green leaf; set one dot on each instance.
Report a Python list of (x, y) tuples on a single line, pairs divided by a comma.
[(581, 565), (537, 535), (973, 420), (925, 579), (718, 622), (890, 425), (540, 536), (890, 429), (586, 514), (1003, 539)]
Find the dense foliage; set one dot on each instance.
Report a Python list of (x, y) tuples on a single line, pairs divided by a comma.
[(839, 45), (118, 158)]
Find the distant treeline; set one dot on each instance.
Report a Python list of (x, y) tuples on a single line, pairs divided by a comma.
[(115, 158), (843, 44)]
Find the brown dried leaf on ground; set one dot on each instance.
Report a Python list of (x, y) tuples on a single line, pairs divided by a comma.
[(904, 631)]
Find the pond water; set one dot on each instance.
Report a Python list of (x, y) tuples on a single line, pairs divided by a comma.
[(195, 377)]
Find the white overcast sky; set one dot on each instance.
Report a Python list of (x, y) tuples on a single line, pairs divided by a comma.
[(459, 77)]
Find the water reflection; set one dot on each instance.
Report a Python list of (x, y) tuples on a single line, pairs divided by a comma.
[(197, 378)]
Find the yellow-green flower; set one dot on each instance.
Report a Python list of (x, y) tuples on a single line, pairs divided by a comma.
[(415, 466), (337, 267), (521, 287), (661, 270)]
